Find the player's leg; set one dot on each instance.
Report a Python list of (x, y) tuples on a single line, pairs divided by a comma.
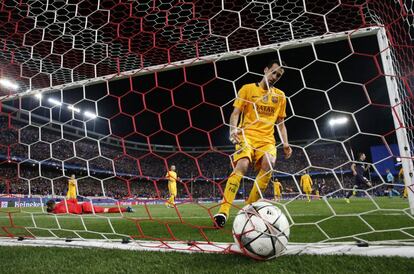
[(405, 193), (167, 203), (277, 196), (306, 190), (232, 186), (266, 157), (393, 190), (358, 181), (389, 192), (99, 209), (242, 158), (118, 209), (172, 188), (173, 193), (88, 208), (350, 193)]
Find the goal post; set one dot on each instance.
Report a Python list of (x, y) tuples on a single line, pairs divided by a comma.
[(278, 50), (116, 107), (402, 121), (285, 45)]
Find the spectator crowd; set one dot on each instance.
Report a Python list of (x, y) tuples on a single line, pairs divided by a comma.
[(39, 161)]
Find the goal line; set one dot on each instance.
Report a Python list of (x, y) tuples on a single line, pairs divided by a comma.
[(371, 250)]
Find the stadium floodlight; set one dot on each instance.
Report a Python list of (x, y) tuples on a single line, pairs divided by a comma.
[(54, 101), (38, 96), (8, 84), (338, 121), (77, 110), (89, 114)]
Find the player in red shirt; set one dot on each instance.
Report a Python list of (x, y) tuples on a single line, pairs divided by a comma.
[(72, 206)]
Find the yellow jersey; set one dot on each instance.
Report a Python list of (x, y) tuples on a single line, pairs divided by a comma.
[(72, 185), (401, 174), (71, 194), (277, 186), (305, 180), (260, 110), (171, 176)]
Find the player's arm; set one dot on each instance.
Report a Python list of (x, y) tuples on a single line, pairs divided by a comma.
[(281, 188), (282, 130), (239, 104), (301, 181), (284, 137), (234, 130), (353, 169)]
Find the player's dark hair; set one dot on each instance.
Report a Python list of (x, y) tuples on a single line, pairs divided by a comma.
[(49, 205), (275, 61), (50, 202), (271, 62), (360, 155)]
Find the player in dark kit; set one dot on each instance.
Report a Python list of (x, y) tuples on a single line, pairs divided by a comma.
[(358, 170)]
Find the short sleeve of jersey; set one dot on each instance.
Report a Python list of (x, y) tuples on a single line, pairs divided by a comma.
[(282, 112), (241, 98)]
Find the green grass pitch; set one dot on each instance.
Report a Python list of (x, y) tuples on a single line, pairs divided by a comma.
[(377, 220)]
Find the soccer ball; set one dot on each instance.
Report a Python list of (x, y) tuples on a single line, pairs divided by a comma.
[(261, 230)]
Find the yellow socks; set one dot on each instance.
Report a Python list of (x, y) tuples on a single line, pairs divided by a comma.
[(171, 200), (262, 179), (230, 192)]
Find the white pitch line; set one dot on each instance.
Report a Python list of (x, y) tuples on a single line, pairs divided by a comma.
[(292, 248)]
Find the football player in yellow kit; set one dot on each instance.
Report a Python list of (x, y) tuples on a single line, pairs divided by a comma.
[(172, 186), (257, 108), (306, 185), (71, 194), (277, 190), (401, 178)]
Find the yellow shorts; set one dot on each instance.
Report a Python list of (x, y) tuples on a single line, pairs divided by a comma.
[(172, 188), (254, 152), (277, 193), (307, 189)]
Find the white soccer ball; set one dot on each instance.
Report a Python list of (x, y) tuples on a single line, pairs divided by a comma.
[(261, 230)]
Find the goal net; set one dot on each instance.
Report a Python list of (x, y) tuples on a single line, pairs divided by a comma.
[(115, 92)]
